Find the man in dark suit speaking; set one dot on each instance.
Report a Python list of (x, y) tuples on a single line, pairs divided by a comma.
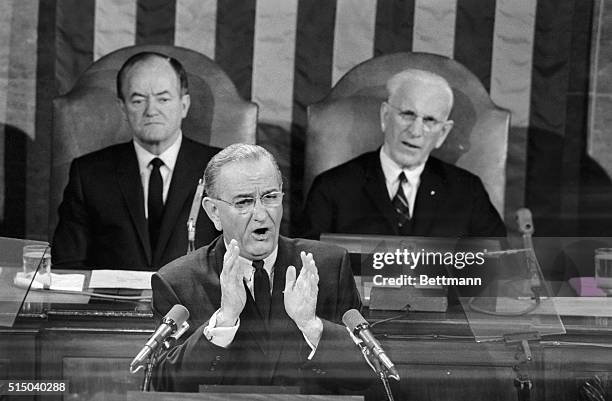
[(399, 189), (264, 309), (126, 206)]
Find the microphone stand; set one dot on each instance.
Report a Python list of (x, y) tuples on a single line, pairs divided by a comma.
[(154, 358), (148, 373), (193, 216), (380, 370), (157, 356)]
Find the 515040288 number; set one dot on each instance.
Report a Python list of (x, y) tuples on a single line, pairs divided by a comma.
[(33, 387)]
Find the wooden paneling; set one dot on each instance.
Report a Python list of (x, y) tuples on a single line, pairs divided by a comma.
[(435, 354), (95, 361)]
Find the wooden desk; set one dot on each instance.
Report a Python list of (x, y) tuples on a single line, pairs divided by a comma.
[(91, 346)]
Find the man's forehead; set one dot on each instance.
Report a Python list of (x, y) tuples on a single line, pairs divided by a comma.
[(153, 73), (248, 176), (431, 94)]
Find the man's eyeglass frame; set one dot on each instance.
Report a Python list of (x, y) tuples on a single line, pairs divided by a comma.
[(269, 200), (410, 116)]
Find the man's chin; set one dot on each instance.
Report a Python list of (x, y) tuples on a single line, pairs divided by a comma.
[(260, 249), (409, 161)]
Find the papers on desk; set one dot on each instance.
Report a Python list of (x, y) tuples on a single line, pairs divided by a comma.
[(135, 280), (67, 282), (59, 282)]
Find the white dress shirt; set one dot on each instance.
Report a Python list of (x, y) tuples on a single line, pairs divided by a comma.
[(392, 170), (169, 157)]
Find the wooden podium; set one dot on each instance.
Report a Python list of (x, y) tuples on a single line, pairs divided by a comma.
[(254, 396)]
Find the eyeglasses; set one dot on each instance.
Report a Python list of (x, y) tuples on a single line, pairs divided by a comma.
[(409, 117), (247, 204)]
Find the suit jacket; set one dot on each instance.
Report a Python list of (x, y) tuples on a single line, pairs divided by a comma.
[(271, 352), (353, 199), (102, 221)]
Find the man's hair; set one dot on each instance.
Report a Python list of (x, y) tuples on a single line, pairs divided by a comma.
[(145, 56), (398, 80), (235, 153)]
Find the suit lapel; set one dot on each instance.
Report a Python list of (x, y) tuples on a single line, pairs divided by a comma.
[(180, 195), (429, 195), (130, 186), (376, 190)]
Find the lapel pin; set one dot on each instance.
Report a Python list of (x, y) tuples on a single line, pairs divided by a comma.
[(432, 193)]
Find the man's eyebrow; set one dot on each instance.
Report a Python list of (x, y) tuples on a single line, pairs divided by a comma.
[(268, 191), (162, 93), (253, 194), (244, 195)]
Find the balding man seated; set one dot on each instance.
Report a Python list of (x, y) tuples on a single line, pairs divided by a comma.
[(400, 189)]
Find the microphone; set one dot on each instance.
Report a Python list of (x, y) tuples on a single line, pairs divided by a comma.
[(361, 329), (524, 221), (525, 226), (193, 216), (174, 321)]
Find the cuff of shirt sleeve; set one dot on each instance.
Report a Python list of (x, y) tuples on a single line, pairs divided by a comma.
[(220, 336), (312, 346)]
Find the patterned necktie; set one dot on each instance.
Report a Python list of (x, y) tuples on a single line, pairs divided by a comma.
[(261, 288), (155, 202), (400, 202)]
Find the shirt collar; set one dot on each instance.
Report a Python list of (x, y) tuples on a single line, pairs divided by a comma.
[(169, 156), (392, 170), (268, 261)]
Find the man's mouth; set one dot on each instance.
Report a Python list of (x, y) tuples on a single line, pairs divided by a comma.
[(410, 145), (261, 233)]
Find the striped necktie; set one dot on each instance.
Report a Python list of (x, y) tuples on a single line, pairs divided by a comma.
[(400, 202)]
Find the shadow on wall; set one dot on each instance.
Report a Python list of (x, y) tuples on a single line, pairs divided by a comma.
[(568, 193), (595, 208), (13, 180)]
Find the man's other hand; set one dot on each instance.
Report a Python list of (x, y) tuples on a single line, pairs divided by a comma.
[(301, 298), (233, 294)]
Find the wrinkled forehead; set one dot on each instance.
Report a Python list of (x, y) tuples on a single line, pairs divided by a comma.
[(248, 177)]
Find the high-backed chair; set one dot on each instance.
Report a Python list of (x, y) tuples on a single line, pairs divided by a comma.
[(89, 116), (346, 123)]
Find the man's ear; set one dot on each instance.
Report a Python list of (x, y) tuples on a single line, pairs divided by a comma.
[(185, 102), (446, 129), (384, 111), (212, 211)]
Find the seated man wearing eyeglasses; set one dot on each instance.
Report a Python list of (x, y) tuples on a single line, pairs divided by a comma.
[(399, 189), (264, 309)]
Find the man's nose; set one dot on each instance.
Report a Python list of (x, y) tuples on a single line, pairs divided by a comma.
[(151, 108), (259, 210), (417, 128)]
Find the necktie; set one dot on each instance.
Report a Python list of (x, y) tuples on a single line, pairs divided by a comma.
[(155, 202), (261, 288), (400, 202)]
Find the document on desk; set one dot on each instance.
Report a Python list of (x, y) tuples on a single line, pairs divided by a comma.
[(135, 280)]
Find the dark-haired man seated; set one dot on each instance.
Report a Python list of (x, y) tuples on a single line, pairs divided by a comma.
[(126, 206)]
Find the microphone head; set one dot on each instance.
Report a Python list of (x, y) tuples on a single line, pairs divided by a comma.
[(352, 319), (178, 314), (524, 221)]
